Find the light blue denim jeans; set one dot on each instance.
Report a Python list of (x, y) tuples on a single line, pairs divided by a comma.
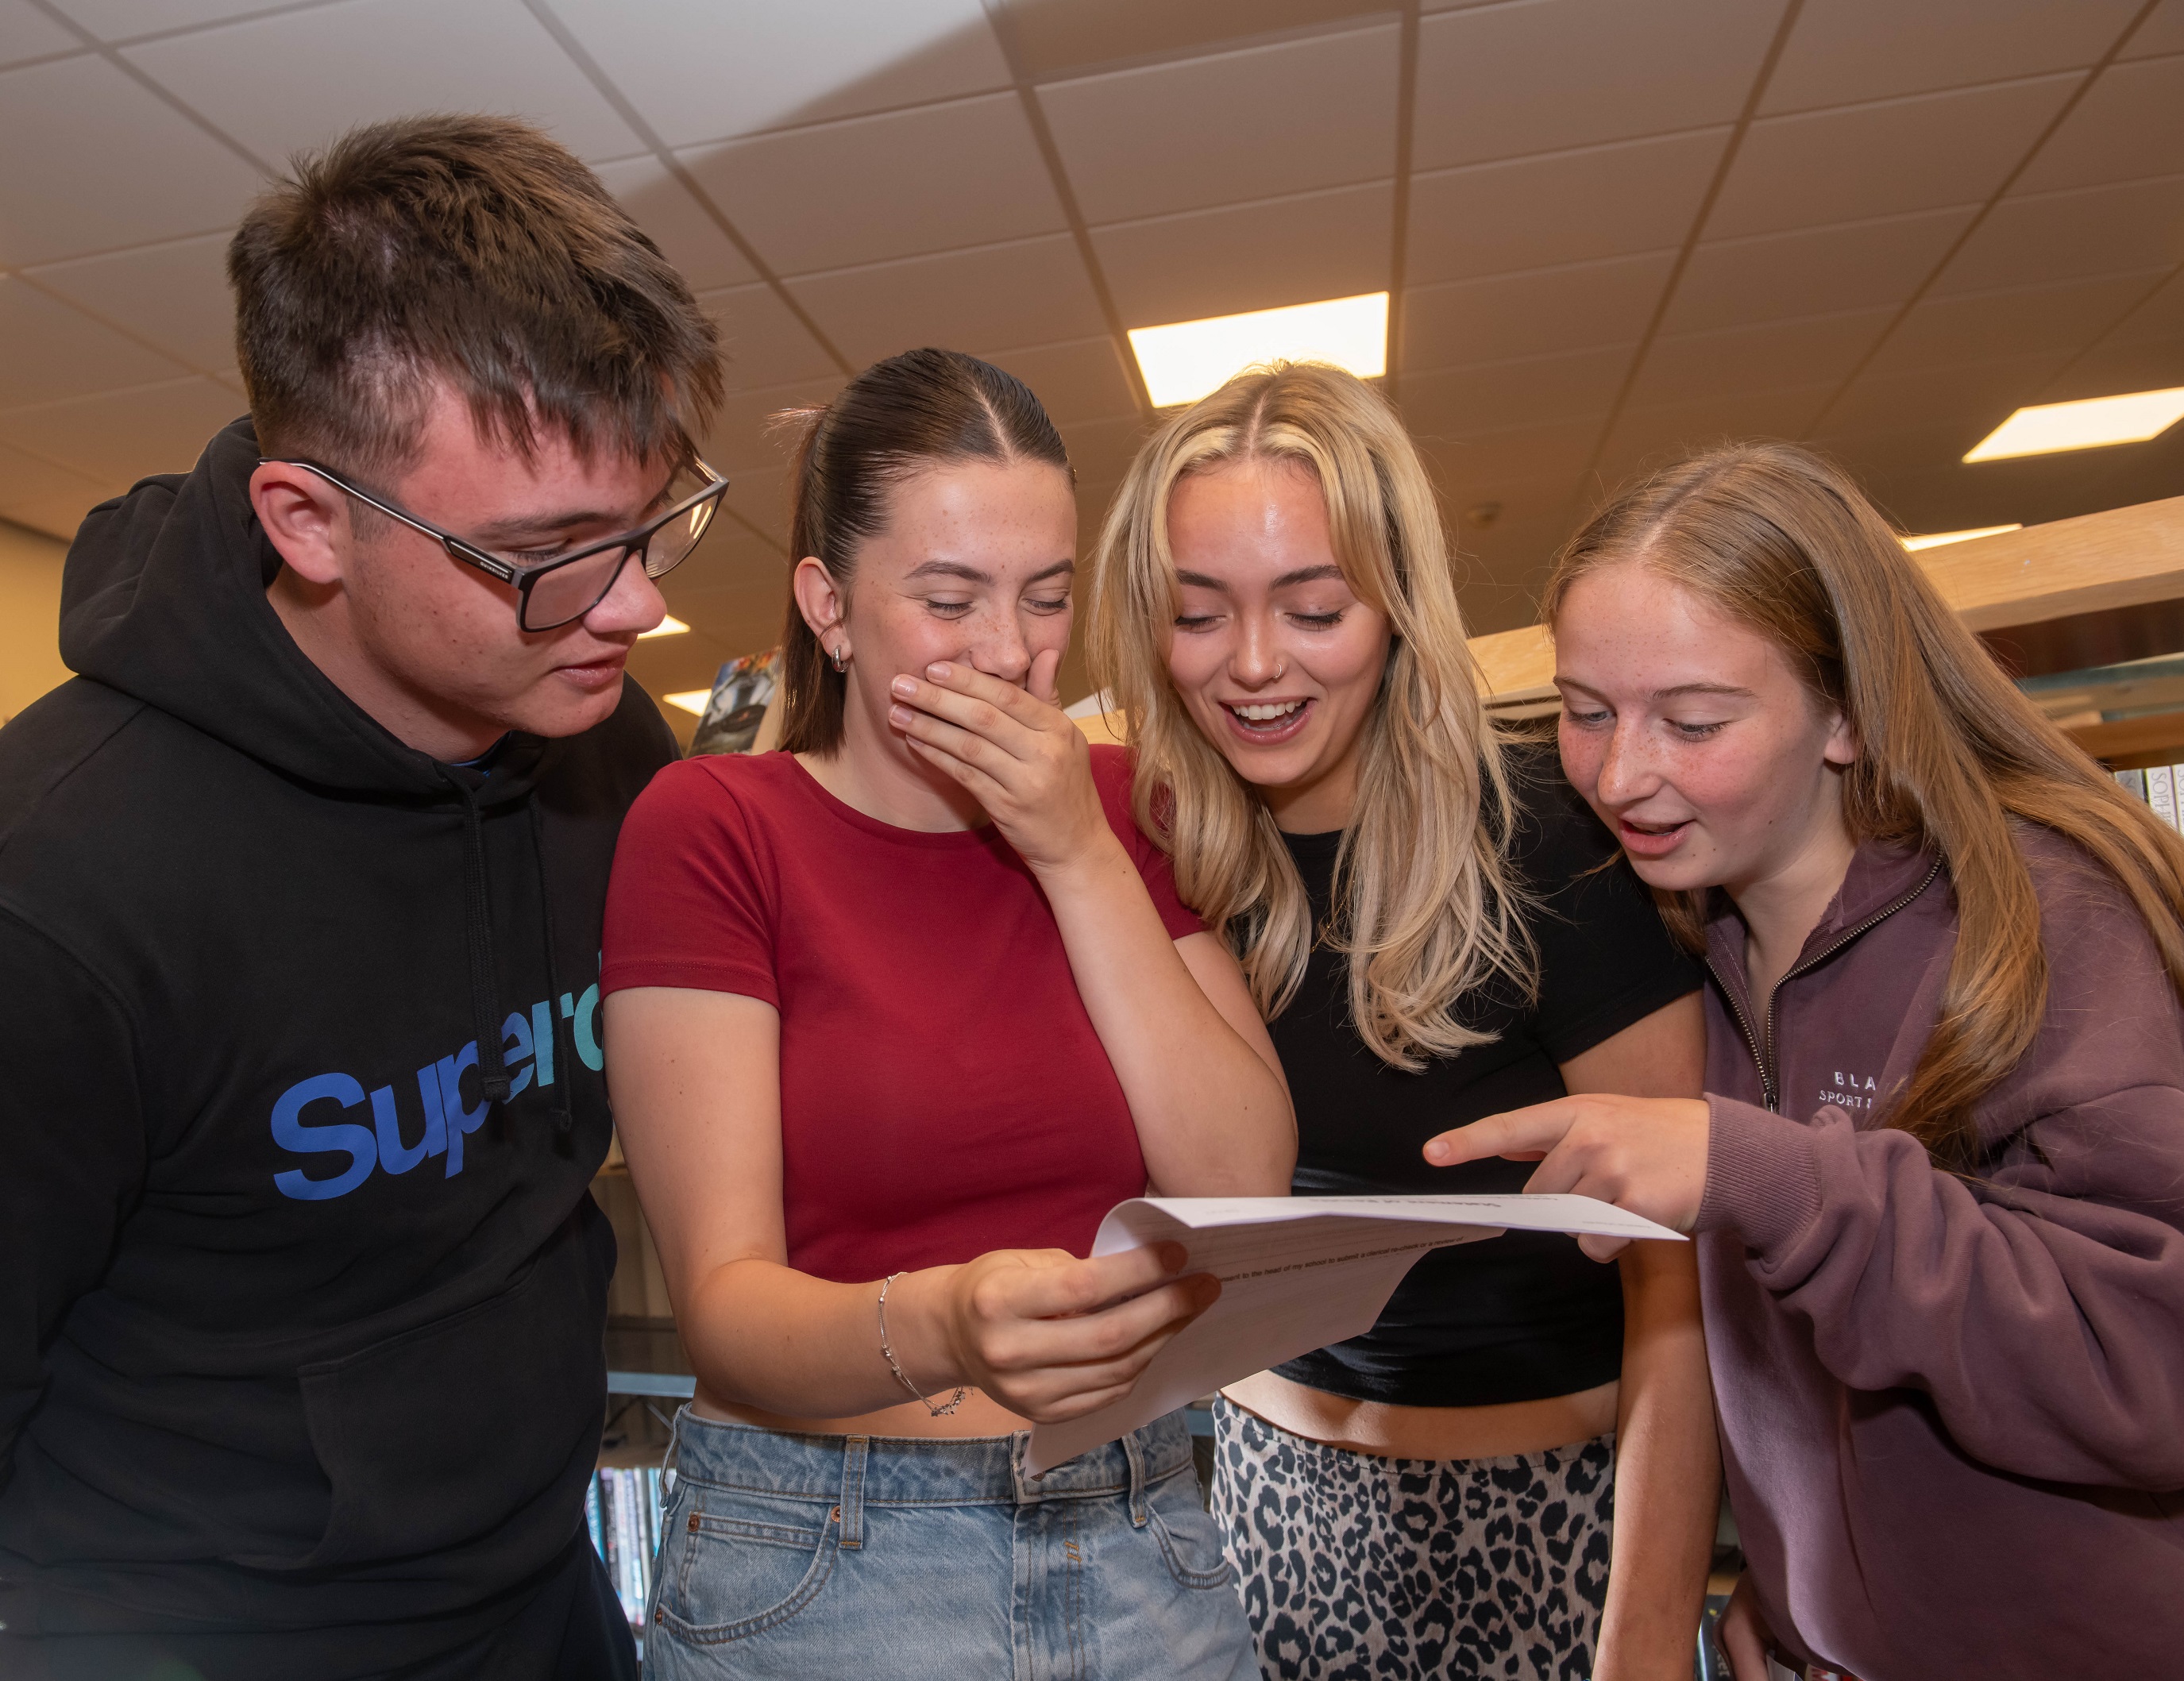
[(826, 1558)]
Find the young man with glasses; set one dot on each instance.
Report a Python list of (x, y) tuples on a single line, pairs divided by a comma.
[(301, 1287)]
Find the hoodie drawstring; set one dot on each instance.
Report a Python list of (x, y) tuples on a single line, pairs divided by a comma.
[(478, 927), (564, 1118)]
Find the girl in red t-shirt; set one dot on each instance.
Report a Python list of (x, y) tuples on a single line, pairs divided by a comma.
[(896, 1014)]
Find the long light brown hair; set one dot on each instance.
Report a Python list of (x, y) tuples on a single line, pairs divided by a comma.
[(1425, 909), (1950, 752)]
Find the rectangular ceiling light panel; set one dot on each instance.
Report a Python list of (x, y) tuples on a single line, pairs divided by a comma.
[(669, 626), (1186, 361), (2087, 424), (690, 699), (1936, 539)]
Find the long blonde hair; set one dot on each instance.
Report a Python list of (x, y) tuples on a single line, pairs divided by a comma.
[(1425, 907), (1949, 751)]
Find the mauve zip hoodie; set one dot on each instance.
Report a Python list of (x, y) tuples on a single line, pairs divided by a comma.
[(1952, 1409)]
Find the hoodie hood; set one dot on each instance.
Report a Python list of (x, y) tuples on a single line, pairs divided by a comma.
[(164, 598)]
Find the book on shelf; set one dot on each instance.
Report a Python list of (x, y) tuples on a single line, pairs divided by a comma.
[(622, 1510), (2162, 788)]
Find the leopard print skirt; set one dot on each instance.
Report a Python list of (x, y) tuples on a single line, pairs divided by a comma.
[(1358, 1568)]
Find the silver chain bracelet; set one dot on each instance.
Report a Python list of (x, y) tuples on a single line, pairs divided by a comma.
[(895, 1366)]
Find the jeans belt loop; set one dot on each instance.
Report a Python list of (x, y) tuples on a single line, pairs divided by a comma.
[(1134, 1450), (851, 1512), (671, 1461)]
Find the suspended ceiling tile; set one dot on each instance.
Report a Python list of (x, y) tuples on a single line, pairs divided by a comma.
[(1101, 451), (1487, 520), (116, 165), (1530, 391), (1032, 292), (2125, 127), (1562, 207), (1257, 124), (175, 294), (1843, 51), (1055, 38), (732, 67), (2159, 314), (1768, 356), (120, 19), (763, 342), (1558, 450), (26, 32), (1645, 440), (1183, 268), (369, 60), (744, 437), (686, 234), (1815, 271), (1942, 332), (1532, 313), (1973, 397), (124, 435), (47, 497), (2120, 364), (759, 495), (1082, 380), (54, 351), (1882, 160), (731, 561), (2059, 235), (1503, 81), (2163, 32), (876, 188)]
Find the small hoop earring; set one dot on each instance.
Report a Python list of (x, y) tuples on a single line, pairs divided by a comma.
[(841, 657)]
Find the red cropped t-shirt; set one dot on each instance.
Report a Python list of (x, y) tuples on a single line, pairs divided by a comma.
[(943, 1092)]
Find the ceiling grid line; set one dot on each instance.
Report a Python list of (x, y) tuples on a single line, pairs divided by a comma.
[(1407, 116), (220, 375), (113, 57), (1742, 126), (1080, 231), (2084, 87), (2103, 337), (591, 70), (147, 36)]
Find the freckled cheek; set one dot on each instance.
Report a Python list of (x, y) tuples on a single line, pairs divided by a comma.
[(1581, 756), (1735, 791)]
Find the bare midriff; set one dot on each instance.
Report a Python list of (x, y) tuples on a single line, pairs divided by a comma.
[(980, 1414), (1427, 1431)]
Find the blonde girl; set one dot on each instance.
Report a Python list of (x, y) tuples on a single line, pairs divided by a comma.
[(1513, 1472)]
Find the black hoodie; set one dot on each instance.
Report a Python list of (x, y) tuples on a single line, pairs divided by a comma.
[(300, 1329)]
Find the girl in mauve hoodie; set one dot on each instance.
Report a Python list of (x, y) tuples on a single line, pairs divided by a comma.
[(1938, 1181)]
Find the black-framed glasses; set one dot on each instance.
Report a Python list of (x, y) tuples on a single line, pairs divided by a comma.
[(552, 593)]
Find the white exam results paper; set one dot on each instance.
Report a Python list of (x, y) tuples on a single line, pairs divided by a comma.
[(1296, 1274)]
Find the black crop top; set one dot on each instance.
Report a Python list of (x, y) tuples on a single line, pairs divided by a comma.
[(1523, 1316)]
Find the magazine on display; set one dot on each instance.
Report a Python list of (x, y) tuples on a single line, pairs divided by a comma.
[(734, 717)]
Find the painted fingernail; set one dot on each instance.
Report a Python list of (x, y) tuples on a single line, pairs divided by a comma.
[(905, 686), (940, 670)]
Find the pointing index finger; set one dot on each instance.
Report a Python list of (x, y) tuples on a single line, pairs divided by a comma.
[(1520, 1134)]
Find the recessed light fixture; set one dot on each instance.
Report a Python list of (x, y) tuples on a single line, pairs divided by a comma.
[(2087, 424), (1936, 539), (690, 699), (669, 626), (1184, 361)]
